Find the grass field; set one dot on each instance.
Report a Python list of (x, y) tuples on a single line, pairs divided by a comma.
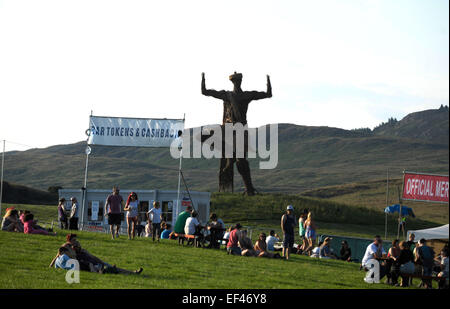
[(24, 261)]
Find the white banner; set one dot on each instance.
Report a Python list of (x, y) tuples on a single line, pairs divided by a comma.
[(113, 131)]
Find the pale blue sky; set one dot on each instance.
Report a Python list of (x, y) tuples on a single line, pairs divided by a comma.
[(346, 64)]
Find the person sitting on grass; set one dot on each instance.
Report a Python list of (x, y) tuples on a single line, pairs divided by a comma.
[(166, 233), (261, 247), (315, 253), (11, 221), (30, 226), (62, 258), (233, 241), (246, 245), (271, 240), (346, 252), (148, 229), (89, 262), (325, 250)]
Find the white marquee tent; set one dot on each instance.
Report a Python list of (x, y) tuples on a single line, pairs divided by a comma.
[(440, 232)]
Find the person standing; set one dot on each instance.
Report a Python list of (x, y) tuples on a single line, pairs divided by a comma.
[(425, 257), (131, 207), (404, 264), (73, 219), (154, 216), (393, 254), (62, 216), (287, 226), (302, 231), (113, 206), (310, 232)]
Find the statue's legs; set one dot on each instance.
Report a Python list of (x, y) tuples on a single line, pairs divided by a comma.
[(226, 173), (244, 169)]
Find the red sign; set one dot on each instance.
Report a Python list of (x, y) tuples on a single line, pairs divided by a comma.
[(429, 188), (186, 202)]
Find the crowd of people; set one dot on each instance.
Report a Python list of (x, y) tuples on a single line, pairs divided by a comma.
[(407, 258), (22, 221), (403, 259)]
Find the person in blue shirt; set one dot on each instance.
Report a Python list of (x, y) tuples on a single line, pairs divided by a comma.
[(62, 259), (165, 234)]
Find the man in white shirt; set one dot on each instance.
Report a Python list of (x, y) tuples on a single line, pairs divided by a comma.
[(271, 240), (374, 251), (191, 224)]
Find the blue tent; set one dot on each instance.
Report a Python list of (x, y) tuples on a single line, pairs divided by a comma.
[(406, 211)]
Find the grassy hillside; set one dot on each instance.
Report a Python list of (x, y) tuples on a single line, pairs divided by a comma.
[(309, 157), (19, 194), (431, 125), (372, 195), (166, 265)]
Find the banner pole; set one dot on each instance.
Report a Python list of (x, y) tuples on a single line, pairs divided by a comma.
[(1, 186), (179, 172), (84, 189), (387, 203), (401, 202)]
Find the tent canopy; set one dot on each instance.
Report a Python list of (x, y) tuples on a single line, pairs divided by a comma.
[(406, 211), (440, 232)]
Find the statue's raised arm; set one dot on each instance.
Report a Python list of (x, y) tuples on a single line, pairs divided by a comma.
[(211, 92), (257, 95)]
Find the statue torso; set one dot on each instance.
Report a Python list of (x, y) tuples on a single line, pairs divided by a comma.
[(235, 107)]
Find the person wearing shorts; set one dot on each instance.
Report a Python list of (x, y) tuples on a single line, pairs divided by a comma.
[(131, 207), (113, 209), (287, 226), (310, 228)]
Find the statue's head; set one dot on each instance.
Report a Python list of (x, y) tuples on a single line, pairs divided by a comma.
[(236, 79)]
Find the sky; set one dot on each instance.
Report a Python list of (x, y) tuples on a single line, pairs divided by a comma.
[(343, 63)]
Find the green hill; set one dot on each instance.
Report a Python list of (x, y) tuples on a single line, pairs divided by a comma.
[(309, 157), (19, 194), (431, 125)]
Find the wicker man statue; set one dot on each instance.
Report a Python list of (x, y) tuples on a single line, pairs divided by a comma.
[(235, 105)]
